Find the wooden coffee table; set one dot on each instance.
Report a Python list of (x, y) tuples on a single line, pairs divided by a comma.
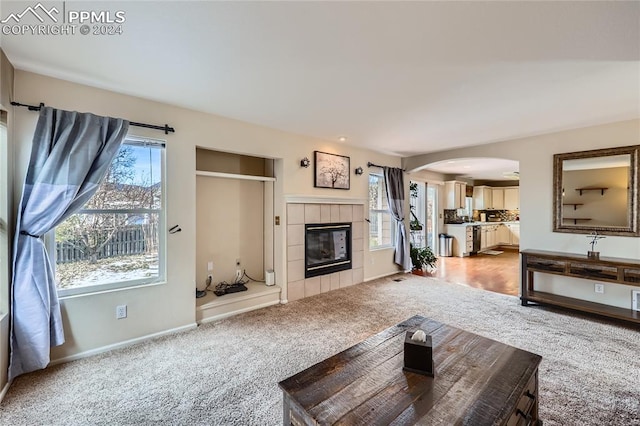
[(478, 381)]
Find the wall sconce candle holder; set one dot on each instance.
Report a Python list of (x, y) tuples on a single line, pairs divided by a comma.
[(359, 171), (305, 162)]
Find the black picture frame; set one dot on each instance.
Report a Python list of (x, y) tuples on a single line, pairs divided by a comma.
[(331, 170)]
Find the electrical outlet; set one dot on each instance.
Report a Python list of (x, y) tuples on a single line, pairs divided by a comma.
[(635, 300), (210, 265), (121, 311), (599, 288)]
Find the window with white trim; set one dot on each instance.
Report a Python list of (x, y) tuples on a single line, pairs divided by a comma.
[(381, 229), (117, 239)]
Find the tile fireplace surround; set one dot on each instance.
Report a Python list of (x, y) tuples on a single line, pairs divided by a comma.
[(299, 214)]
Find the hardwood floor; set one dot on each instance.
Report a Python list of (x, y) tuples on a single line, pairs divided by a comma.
[(498, 273)]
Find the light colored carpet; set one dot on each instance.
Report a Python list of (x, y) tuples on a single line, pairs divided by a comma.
[(227, 372)]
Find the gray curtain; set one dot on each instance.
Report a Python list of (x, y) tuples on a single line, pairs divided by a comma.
[(70, 155), (394, 181)]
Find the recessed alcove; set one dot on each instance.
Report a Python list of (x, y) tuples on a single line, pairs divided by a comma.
[(234, 207)]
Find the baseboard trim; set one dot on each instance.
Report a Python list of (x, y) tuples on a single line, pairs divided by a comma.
[(382, 276), (239, 311), (4, 391), (119, 345)]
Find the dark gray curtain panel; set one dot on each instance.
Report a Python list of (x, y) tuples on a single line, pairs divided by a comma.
[(70, 155), (394, 181)]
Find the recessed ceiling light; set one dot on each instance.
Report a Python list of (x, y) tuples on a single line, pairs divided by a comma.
[(342, 139)]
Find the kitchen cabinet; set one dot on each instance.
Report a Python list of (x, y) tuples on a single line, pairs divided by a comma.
[(503, 235), (488, 236), (512, 198), (514, 233), (455, 193), (462, 239), (490, 198), (481, 197), (469, 244), (497, 198), (494, 235)]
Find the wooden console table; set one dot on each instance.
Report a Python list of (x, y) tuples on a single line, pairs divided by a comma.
[(477, 382), (604, 269)]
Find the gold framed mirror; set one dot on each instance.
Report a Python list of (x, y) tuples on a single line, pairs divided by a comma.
[(597, 191)]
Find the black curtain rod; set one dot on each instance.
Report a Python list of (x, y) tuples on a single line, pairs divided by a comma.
[(166, 129), (370, 164)]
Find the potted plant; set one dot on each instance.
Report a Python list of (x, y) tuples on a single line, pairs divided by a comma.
[(415, 224), (421, 257)]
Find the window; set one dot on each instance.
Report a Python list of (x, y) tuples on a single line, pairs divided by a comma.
[(116, 239), (417, 212), (381, 229)]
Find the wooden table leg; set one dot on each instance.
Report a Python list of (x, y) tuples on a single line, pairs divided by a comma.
[(286, 406), (523, 280)]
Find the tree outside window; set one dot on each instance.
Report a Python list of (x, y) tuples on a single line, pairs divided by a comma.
[(381, 229), (114, 240)]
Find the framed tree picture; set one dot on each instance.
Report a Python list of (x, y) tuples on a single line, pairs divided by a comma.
[(331, 170)]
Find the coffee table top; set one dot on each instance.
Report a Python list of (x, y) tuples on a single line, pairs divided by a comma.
[(477, 380)]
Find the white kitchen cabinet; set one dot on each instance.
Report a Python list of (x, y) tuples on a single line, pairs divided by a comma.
[(497, 198), (503, 235), (455, 194), (469, 245), (514, 233), (481, 197), (483, 238), (493, 235), (512, 198), (462, 244), (487, 237)]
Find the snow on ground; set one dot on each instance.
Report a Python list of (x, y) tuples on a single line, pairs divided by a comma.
[(105, 271)]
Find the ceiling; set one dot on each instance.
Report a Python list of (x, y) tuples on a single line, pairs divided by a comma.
[(493, 169), (398, 77)]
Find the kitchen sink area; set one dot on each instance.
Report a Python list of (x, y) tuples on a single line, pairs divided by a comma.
[(471, 238), (484, 223)]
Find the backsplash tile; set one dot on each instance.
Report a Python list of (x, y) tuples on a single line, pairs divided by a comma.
[(450, 216)]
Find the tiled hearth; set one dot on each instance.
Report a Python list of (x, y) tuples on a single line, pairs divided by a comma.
[(298, 214)]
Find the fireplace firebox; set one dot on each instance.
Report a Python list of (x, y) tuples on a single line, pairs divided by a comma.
[(327, 248)]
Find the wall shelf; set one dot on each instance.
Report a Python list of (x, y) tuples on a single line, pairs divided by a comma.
[(235, 176), (601, 189), (575, 205), (576, 219)]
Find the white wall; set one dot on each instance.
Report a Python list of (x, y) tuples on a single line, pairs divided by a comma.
[(6, 214), (229, 214), (90, 320), (535, 155)]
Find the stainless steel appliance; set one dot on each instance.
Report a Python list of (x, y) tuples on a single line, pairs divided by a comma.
[(477, 229)]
